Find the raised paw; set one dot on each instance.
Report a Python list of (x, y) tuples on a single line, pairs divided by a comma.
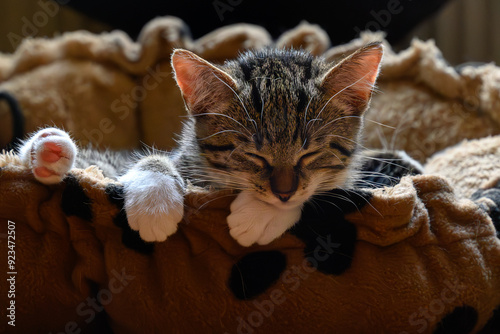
[(154, 203), (50, 153), (253, 221)]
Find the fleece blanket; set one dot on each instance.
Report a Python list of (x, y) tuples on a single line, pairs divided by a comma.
[(110, 91), (417, 257)]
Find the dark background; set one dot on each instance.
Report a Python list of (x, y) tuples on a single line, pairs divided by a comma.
[(342, 19)]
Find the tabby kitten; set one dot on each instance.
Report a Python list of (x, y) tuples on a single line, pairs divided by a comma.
[(276, 125)]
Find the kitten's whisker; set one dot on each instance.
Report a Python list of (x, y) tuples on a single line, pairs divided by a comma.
[(222, 131), (374, 208), (369, 184), (223, 180), (364, 199), (377, 174), (338, 196), (376, 183), (324, 200), (343, 137), (222, 177), (387, 161), (205, 202), (348, 139), (303, 144), (381, 159), (239, 98), (315, 205), (223, 115), (381, 177), (379, 123), (223, 186), (335, 120), (305, 119), (366, 184), (325, 187), (399, 128), (336, 156), (230, 154), (381, 138), (312, 120), (219, 171), (340, 91)]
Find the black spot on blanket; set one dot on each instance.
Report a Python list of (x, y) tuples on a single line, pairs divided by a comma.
[(330, 239), (255, 273), (491, 205), (74, 201), (462, 320), (130, 238), (493, 325)]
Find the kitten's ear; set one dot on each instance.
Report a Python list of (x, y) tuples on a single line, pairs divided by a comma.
[(202, 84), (352, 80)]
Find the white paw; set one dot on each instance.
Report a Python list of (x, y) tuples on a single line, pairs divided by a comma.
[(50, 154), (154, 203), (254, 221)]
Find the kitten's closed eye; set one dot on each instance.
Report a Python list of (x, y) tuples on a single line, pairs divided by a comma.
[(303, 161), (261, 161), (307, 158)]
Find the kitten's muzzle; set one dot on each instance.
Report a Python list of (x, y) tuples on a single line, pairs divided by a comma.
[(284, 182)]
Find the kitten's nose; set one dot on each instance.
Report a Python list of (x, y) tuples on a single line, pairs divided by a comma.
[(284, 197), (284, 183)]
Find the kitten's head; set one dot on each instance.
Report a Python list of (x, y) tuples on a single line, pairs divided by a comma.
[(281, 123)]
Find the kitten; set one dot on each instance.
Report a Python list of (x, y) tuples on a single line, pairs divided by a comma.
[(276, 125)]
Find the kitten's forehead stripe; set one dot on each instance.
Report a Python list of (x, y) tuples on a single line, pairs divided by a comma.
[(341, 149), (256, 96), (217, 148), (247, 69), (301, 108), (277, 83)]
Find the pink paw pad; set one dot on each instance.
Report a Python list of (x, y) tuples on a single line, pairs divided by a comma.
[(43, 172), (51, 152)]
